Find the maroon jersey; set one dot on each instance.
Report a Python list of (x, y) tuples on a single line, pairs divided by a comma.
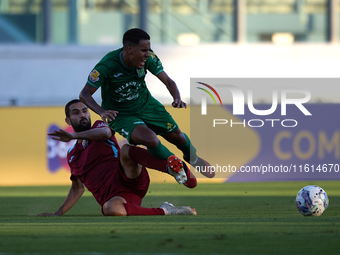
[(94, 163)]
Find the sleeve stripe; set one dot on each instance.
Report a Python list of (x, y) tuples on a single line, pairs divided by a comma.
[(159, 72), (92, 84)]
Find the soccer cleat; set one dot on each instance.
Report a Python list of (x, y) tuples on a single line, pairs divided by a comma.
[(191, 179), (170, 209), (202, 166), (175, 168)]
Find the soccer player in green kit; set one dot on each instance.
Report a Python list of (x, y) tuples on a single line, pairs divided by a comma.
[(127, 104)]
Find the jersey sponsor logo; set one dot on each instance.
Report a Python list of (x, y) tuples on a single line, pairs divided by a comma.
[(129, 98), (57, 151), (137, 86), (117, 75), (140, 72), (94, 76), (129, 91)]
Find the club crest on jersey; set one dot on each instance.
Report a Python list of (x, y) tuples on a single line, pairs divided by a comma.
[(85, 143), (169, 126), (140, 72), (94, 76)]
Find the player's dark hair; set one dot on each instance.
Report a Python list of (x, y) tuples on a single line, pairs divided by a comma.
[(134, 36), (67, 106)]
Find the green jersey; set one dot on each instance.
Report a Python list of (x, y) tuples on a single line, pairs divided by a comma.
[(122, 88)]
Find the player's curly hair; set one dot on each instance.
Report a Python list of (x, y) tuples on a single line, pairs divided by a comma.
[(67, 106), (134, 36)]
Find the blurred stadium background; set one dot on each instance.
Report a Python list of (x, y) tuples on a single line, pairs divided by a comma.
[(48, 47)]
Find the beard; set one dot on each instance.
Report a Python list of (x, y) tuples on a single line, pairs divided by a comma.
[(79, 127)]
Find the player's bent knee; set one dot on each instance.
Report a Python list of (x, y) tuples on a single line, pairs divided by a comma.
[(113, 211), (124, 151), (177, 138), (181, 138), (152, 143), (114, 207)]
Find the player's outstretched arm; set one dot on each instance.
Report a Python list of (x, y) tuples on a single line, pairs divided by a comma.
[(86, 97), (172, 87), (91, 135), (76, 191)]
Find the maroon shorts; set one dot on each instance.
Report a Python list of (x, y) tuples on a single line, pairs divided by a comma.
[(132, 190)]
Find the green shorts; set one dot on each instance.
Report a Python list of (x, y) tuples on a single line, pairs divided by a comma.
[(154, 116)]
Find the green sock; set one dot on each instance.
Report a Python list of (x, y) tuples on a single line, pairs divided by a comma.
[(160, 151), (189, 151)]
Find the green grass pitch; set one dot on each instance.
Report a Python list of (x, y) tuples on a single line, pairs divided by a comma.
[(233, 218)]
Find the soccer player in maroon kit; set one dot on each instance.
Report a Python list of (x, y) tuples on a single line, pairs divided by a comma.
[(116, 177)]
